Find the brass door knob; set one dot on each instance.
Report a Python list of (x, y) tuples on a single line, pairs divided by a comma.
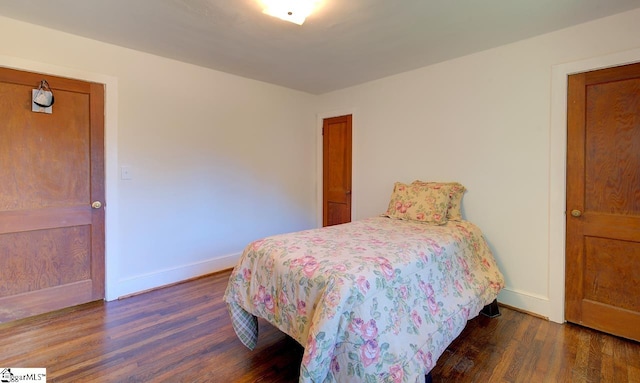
[(96, 204), (576, 213)]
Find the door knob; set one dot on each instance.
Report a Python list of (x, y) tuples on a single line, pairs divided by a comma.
[(576, 213), (96, 204)]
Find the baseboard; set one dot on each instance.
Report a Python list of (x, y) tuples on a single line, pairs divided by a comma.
[(526, 302), (144, 282), (522, 311), (227, 270)]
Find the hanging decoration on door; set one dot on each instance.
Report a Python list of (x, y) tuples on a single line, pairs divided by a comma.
[(42, 98)]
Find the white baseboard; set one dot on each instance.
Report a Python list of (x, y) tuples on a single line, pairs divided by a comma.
[(138, 283), (532, 303)]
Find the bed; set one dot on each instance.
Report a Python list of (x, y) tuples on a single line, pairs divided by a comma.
[(374, 300)]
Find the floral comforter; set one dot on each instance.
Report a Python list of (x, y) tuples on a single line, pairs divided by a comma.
[(376, 300)]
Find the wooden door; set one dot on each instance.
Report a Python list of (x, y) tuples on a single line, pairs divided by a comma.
[(603, 201), (51, 171), (336, 165)]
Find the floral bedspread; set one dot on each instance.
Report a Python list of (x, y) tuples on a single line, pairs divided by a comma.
[(375, 300)]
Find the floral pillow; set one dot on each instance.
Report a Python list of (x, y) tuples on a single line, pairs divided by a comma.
[(454, 212), (420, 202)]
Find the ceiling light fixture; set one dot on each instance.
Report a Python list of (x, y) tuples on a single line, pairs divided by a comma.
[(294, 11)]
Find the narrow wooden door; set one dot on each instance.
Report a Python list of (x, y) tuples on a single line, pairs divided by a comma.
[(336, 165), (603, 201), (51, 171)]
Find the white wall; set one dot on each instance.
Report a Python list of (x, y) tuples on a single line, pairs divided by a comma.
[(217, 160), (485, 120)]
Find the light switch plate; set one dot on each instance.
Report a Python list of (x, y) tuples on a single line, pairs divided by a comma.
[(126, 173)]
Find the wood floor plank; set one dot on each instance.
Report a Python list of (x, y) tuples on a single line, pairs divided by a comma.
[(546, 336), (581, 358), (532, 354), (594, 364), (182, 333)]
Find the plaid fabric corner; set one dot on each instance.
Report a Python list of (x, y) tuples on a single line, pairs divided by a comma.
[(245, 325)]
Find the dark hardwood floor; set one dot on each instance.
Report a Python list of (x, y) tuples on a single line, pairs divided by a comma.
[(182, 333)]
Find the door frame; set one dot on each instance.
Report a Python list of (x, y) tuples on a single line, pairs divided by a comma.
[(111, 152), (558, 169), (319, 167)]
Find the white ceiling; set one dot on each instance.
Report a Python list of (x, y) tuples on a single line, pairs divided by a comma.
[(347, 42)]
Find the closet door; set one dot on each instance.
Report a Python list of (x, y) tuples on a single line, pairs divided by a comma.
[(336, 164), (51, 195), (603, 201)]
